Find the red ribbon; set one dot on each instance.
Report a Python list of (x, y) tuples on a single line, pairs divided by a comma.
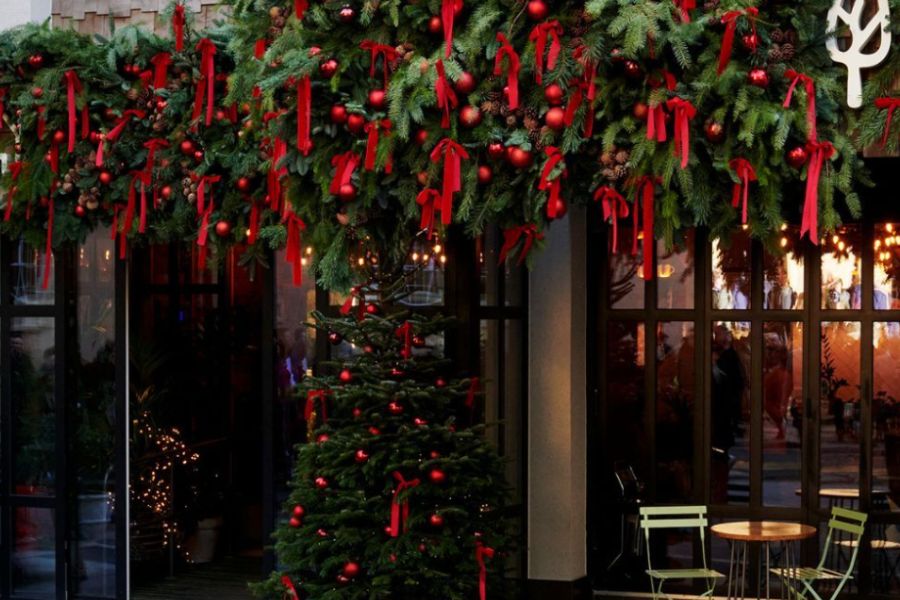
[(684, 112), (404, 332), (344, 166), (294, 248), (207, 83), (141, 178), (889, 104), (614, 208), (203, 235), (178, 27), (745, 173), (202, 182), (585, 87), (452, 154), (656, 123), (15, 169), (73, 86), (446, 97), (276, 172), (289, 586), (54, 157), (730, 20), (482, 552), (644, 205), (511, 238), (449, 8), (347, 307), (41, 123), (387, 53), (300, 7), (427, 199), (254, 223), (552, 186), (114, 133), (311, 397), (684, 8), (539, 35), (818, 153), (810, 86), (153, 145), (474, 388), (48, 250), (512, 69), (161, 64), (304, 115), (259, 48), (400, 508)]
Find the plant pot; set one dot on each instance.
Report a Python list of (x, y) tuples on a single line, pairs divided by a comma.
[(201, 546)]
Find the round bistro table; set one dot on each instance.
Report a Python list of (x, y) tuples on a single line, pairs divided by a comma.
[(741, 534)]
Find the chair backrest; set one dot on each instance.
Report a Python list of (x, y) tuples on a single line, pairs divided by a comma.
[(844, 525), (674, 517)]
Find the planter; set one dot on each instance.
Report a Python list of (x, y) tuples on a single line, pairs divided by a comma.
[(201, 546)]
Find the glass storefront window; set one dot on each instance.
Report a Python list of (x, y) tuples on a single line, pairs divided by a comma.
[(886, 415), (782, 421), (784, 278), (730, 413), (675, 273), (34, 553), (27, 267), (841, 269), (676, 389), (731, 272), (626, 362), (626, 283), (887, 267)]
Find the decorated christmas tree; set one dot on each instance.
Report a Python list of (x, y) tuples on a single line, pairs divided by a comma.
[(395, 494)]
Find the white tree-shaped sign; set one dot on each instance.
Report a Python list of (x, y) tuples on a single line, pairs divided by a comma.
[(854, 55)]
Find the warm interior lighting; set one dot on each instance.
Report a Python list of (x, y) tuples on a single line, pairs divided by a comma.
[(665, 270)]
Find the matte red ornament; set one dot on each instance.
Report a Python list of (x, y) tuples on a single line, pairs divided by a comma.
[(465, 84), (105, 177), (59, 136), (496, 150), (485, 175), (357, 412), (435, 25), (555, 118), (335, 338), (347, 192), (368, 349), (554, 94), (321, 483), (223, 228), (322, 438), (377, 99), (37, 92), (243, 184), (537, 10), (633, 70), (374, 430), (220, 115), (328, 68), (421, 137), (198, 155), (345, 376), (356, 123), (361, 456), (714, 132), (797, 157), (79, 211), (422, 178), (187, 147), (295, 522), (640, 110), (347, 14), (422, 548), (299, 511), (436, 520), (166, 192), (351, 569), (440, 382), (339, 114), (437, 476), (388, 530), (758, 77), (519, 158), (470, 116), (395, 408)]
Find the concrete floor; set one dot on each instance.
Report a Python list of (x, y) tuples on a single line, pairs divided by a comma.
[(223, 580)]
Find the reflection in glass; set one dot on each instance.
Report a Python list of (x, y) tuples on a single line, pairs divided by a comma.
[(625, 362), (887, 267), (675, 273), (33, 553), (626, 284), (675, 411), (841, 268), (839, 407), (730, 413), (886, 411), (731, 272), (486, 253), (783, 415), (425, 274), (783, 274), (26, 275)]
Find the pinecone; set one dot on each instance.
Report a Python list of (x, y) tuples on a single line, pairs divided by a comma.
[(788, 51), (133, 94), (711, 5), (777, 35), (622, 157), (511, 121), (531, 123), (494, 96), (775, 55), (490, 107)]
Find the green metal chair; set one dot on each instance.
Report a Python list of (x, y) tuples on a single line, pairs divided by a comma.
[(677, 517), (844, 524)]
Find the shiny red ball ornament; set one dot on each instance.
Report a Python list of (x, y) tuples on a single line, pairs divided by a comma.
[(368, 349), (347, 192), (418, 341), (758, 77), (419, 422), (555, 118), (640, 110), (36, 61), (470, 116), (437, 476), (440, 382), (356, 412), (59, 136), (361, 456), (485, 175), (95, 137), (554, 95), (322, 438), (198, 155), (356, 123), (335, 338), (299, 511), (338, 114), (105, 177), (187, 147), (436, 520), (243, 184), (388, 530), (351, 569), (223, 228), (421, 137), (373, 309), (395, 408), (374, 430), (496, 150), (166, 192), (714, 132), (37, 92), (321, 483), (345, 376), (750, 41), (435, 25), (295, 522), (422, 178), (79, 211), (161, 104), (422, 548), (519, 158), (377, 99), (465, 84), (347, 14), (797, 157), (321, 533), (537, 10), (561, 208), (633, 70), (328, 68)]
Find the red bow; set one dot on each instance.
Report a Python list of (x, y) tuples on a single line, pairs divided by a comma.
[(446, 97), (684, 112), (300, 7), (684, 8), (388, 54), (73, 86), (294, 248), (356, 294), (452, 154), (344, 166), (810, 86), (889, 104), (207, 83), (15, 169), (289, 586), (512, 69), (482, 552), (404, 332), (644, 205), (656, 123), (400, 508), (141, 178), (552, 186), (818, 153), (372, 129), (511, 239), (730, 19), (178, 27), (304, 115), (548, 29), (745, 174), (614, 208), (114, 133), (427, 199), (161, 64)]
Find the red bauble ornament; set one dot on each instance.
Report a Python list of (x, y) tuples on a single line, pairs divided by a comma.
[(434, 454), (374, 430), (198, 155), (299, 511), (220, 115), (166, 192), (356, 123), (436, 520), (561, 208), (328, 68), (356, 412), (368, 349), (295, 522), (714, 132), (335, 338), (59, 136), (361, 456), (554, 94), (347, 193), (633, 70), (79, 210), (321, 533), (187, 147), (418, 341), (470, 116), (519, 158), (345, 376), (105, 177), (465, 84), (322, 438), (797, 157), (243, 184), (347, 14), (223, 228), (440, 382), (555, 118), (37, 92), (36, 61), (397, 373), (421, 137), (422, 178), (351, 569), (758, 77), (419, 422), (377, 99), (435, 25), (485, 174), (496, 150), (640, 110), (161, 104), (95, 137), (339, 114), (395, 408), (750, 41), (321, 483), (437, 476), (537, 10), (373, 309)]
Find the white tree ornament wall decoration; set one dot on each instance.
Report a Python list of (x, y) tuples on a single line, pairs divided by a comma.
[(854, 56)]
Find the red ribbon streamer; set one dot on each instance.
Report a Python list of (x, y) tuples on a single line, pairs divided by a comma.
[(294, 248), (730, 20), (41, 123), (512, 69), (482, 552), (684, 8), (449, 8), (259, 49), (446, 97), (311, 397), (452, 154), (276, 172), (254, 223), (73, 86), (474, 388), (48, 250), (161, 64), (818, 153), (289, 586), (141, 178), (889, 104), (387, 53), (644, 205), (614, 208), (300, 7), (207, 83), (344, 166), (178, 27), (400, 508), (203, 235), (552, 186), (202, 182), (347, 307), (304, 115), (511, 238), (810, 86), (15, 169), (745, 173), (539, 35), (684, 112), (427, 199), (114, 133), (404, 332), (153, 145), (656, 123), (54, 157)]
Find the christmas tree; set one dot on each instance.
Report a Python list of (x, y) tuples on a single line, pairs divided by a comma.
[(394, 494)]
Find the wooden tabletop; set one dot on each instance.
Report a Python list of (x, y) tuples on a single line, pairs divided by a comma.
[(763, 531), (845, 493)]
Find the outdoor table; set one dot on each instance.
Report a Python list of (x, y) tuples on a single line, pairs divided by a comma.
[(742, 533)]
